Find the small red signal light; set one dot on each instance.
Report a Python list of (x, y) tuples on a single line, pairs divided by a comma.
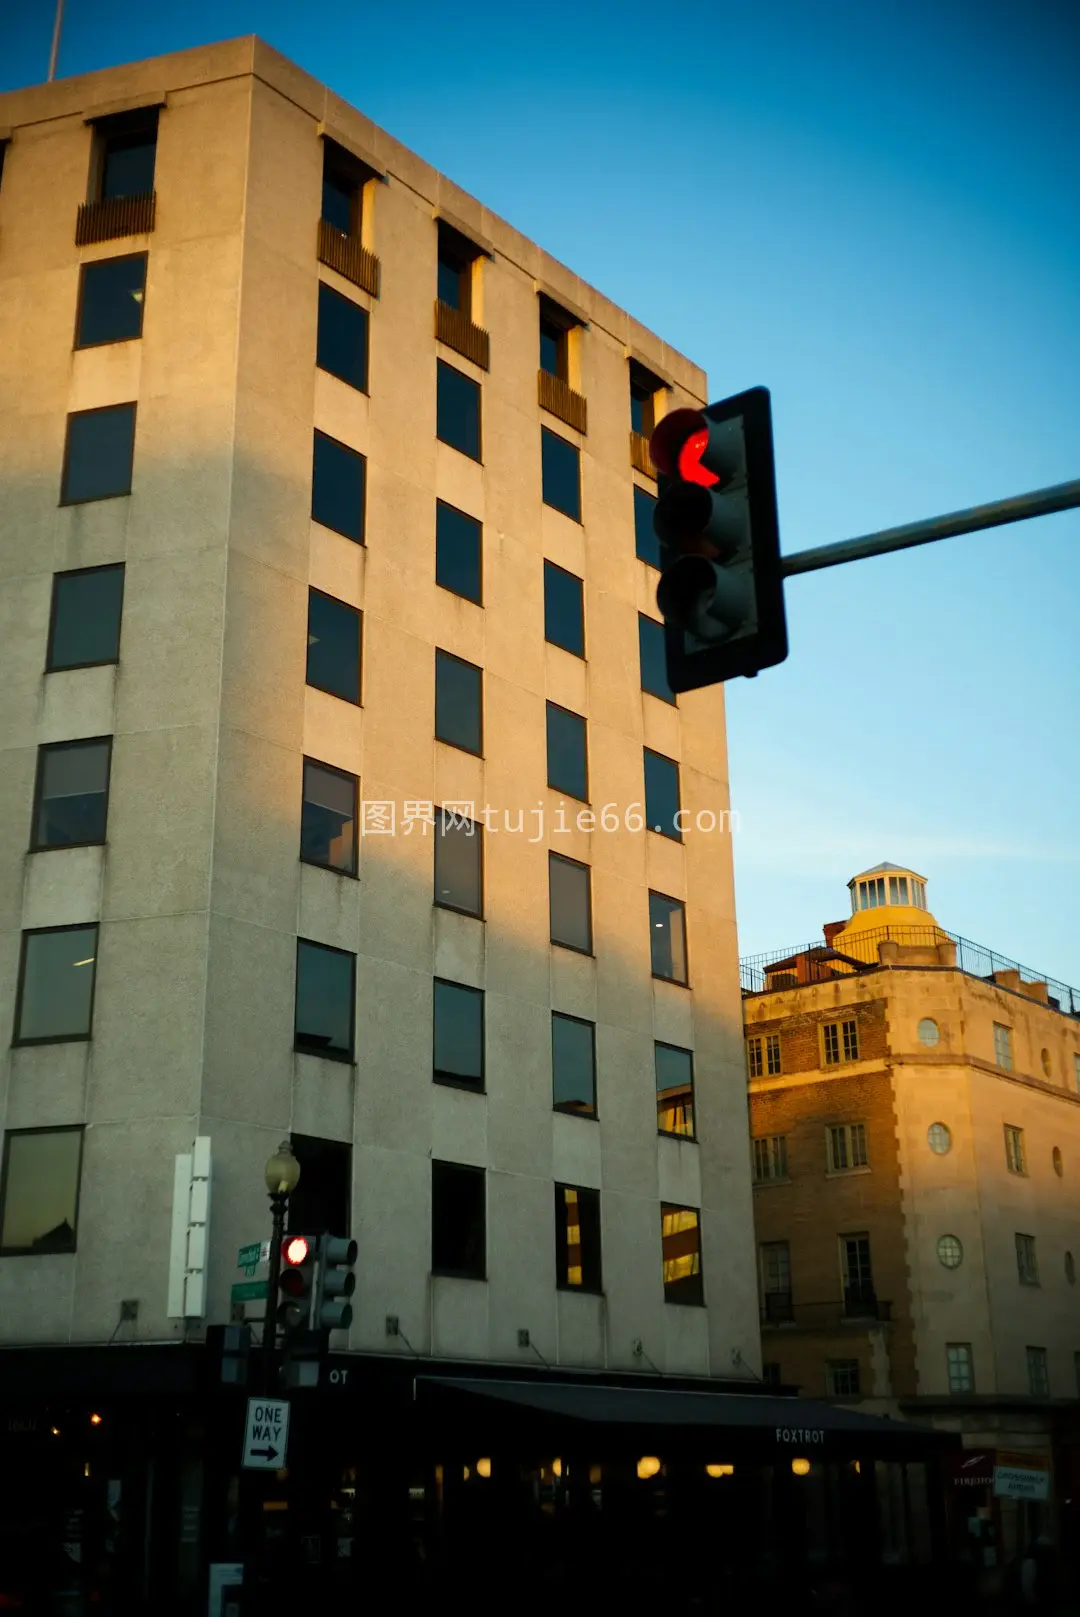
[(296, 1249), (689, 460)]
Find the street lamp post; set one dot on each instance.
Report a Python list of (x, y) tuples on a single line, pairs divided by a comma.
[(282, 1178)]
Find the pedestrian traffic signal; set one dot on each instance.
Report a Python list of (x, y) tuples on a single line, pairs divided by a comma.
[(335, 1284), (721, 591), (296, 1281)]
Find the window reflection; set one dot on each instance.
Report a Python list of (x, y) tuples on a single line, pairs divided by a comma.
[(681, 1238), (41, 1190), (458, 868), (57, 988), (667, 931), (325, 1000), (328, 818), (573, 1065), (674, 1090)]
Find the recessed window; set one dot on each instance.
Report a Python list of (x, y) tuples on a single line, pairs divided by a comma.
[(328, 818), (959, 1367), (564, 610), (71, 803), (325, 1000), (840, 1042), (1015, 1151), (1045, 1062), (653, 659), (98, 454), (342, 189), (774, 1259), (681, 1240), (846, 1147), (570, 903), (127, 151), (112, 294), (674, 1090), (860, 1298), (459, 703), (950, 1252), (667, 937), (56, 985), (770, 1375), (842, 1378), (644, 387), (929, 1033), (646, 544), (763, 1055), (1057, 1161), (457, 255), (333, 654), (560, 463), (342, 342), (573, 1065), (662, 795), (457, 410), (770, 1158), (939, 1139), (577, 1239), (458, 551), (458, 1035), (337, 487), (458, 863), (1038, 1372), (458, 1221), (1003, 1046), (567, 753), (555, 328), (84, 625), (1027, 1260), (321, 1204), (40, 1199)]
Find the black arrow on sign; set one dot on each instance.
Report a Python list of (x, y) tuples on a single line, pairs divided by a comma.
[(263, 1454)]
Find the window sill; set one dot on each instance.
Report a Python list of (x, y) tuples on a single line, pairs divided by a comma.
[(578, 1291), (342, 1057), (847, 1173), (458, 1274), (354, 538), (353, 701), (457, 909), (52, 1038), (446, 1081), (59, 847), (106, 342), (459, 594), (334, 870), (573, 1111), (763, 1184), (37, 1252), (476, 459), (95, 499), (71, 668), (573, 948), (685, 1302), (571, 516), (473, 752), (670, 1134), (678, 982)]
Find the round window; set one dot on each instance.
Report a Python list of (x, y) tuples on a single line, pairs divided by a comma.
[(1070, 1268), (950, 1252), (928, 1032), (938, 1138), (1055, 1158), (1047, 1064)]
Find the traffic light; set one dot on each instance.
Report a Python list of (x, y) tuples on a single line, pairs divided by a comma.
[(336, 1283), (296, 1281), (721, 591)]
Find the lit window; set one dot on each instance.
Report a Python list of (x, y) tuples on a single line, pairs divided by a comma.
[(674, 1090), (577, 1239), (681, 1240), (40, 1195)]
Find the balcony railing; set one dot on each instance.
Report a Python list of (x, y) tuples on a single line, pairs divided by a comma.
[(349, 257), (561, 400), (457, 331), (842, 1313), (640, 459), (115, 216)]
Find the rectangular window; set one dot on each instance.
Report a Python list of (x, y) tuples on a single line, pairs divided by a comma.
[(1027, 1261), (334, 639), (84, 624), (127, 151), (643, 390), (770, 1158), (674, 1090), (325, 1020), (667, 934), (959, 1367), (554, 342), (573, 1065), (337, 487), (1015, 1155), (570, 903), (840, 1042), (646, 544), (842, 1378), (846, 1147), (652, 655), (456, 259), (774, 1258), (560, 463), (772, 1054), (341, 346), (662, 795), (458, 552), (459, 703), (98, 454), (321, 1204), (457, 410), (681, 1242), (342, 189), (71, 802), (1038, 1372), (328, 818), (567, 753), (1076, 1071), (458, 1221), (754, 1058), (39, 1202), (56, 985), (458, 1016), (1003, 1046), (858, 1278), (112, 295), (458, 864), (564, 609), (770, 1375), (577, 1239)]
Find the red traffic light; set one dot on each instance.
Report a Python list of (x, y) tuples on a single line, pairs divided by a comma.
[(677, 445), (295, 1249)]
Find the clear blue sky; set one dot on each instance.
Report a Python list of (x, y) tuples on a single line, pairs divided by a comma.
[(872, 208)]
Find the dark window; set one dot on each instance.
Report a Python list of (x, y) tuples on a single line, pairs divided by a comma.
[(342, 343), (570, 903), (111, 299), (577, 1239), (333, 654), (681, 1237), (458, 863), (328, 818), (560, 463), (98, 454), (859, 1296), (84, 624), (128, 151), (342, 189), (56, 984), (40, 1200), (459, 1035), (456, 257), (667, 930), (458, 1221), (321, 1204), (458, 549), (662, 795), (573, 1065), (71, 803), (770, 1375), (554, 346), (325, 1000), (646, 543), (337, 487), (643, 390), (564, 609), (457, 410), (459, 703), (653, 659), (567, 753), (674, 1090)]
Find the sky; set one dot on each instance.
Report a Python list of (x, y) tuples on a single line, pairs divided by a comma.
[(872, 209)]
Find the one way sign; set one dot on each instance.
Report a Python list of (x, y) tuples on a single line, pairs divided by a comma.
[(266, 1435)]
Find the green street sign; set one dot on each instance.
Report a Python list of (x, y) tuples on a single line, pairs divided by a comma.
[(248, 1291), (248, 1255)]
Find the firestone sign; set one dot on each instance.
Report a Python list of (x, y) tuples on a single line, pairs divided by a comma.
[(800, 1434)]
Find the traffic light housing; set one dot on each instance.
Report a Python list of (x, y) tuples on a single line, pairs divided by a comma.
[(296, 1281), (335, 1284), (721, 590)]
